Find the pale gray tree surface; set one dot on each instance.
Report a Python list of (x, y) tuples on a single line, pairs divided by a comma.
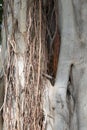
[(31, 102), (69, 101)]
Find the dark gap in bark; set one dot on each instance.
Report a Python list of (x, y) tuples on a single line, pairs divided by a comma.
[(52, 38), (70, 96)]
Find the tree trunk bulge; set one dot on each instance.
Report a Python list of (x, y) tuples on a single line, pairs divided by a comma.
[(71, 85), (36, 97), (67, 100)]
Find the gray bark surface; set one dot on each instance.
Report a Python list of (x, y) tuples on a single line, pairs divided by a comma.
[(69, 100)]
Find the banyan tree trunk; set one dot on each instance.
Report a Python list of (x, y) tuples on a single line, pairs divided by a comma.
[(44, 47)]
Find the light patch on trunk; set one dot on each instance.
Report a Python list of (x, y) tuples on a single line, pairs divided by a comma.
[(49, 106), (21, 70)]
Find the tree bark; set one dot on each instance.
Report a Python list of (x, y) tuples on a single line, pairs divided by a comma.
[(70, 84), (45, 64), (26, 63), (68, 108)]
